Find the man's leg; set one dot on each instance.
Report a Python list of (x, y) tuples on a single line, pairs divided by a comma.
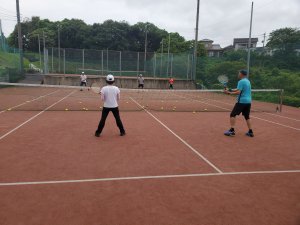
[(235, 111), (246, 114), (116, 113), (101, 125)]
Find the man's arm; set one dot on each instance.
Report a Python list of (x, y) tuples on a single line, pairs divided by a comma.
[(232, 91)]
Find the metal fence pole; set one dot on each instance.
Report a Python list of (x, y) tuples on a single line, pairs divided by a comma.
[(172, 58), (120, 63), (82, 59), (107, 60), (188, 67), (154, 65), (102, 62), (138, 63), (52, 61), (64, 61)]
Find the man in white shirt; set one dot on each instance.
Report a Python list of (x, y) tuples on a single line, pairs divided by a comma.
[(110, 95), (83, 81)]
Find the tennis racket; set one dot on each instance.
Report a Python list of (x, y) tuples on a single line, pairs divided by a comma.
[(96, 87), (223, 79)]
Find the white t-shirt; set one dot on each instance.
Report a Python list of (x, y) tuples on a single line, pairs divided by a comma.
[(110, 95), (83, 78)]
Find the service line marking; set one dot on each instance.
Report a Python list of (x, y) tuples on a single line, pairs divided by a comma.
[(150, 177), (178, 137), (33, 117)]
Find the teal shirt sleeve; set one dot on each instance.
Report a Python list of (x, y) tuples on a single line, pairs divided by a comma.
[(240, 85)]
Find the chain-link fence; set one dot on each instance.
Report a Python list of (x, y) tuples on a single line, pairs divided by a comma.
[(125, 63), (9, 64)]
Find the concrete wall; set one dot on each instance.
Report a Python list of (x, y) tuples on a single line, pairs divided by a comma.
[(121, 82)]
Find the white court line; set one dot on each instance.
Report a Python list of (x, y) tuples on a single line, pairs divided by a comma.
[(32, 100), (150, 177), (33, 117), (272, 114), (269, 121), (286, 117), (183, 141)]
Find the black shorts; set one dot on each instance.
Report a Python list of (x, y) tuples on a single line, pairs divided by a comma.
[(82, 83), (241, 108), (141, 85)]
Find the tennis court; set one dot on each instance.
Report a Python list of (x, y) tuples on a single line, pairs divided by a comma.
[(174, 166)]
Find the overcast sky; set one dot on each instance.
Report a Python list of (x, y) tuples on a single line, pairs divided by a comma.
[(220, 20)]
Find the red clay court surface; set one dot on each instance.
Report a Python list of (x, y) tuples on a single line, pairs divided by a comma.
[(172, 168)]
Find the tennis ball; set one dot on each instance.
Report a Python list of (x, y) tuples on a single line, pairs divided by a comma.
[(66, 109), (80, 102), (174, 109), (8, 109), (127, 102), (205, 109), (162, 108), (27, 101), (86, 109), (83, 108), (194, 112)]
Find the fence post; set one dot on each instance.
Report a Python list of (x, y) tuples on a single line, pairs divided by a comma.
[(188, 67), (64, 61), (172, 58), (82, 59), (52, 61), (107, 60), (154, 72), (138, 63), (120, 63), (102, 62)]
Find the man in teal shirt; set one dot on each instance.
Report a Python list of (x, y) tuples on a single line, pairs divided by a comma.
[(243, 104)]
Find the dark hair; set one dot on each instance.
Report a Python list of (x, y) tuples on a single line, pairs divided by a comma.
[(244, 72), (110, 82)]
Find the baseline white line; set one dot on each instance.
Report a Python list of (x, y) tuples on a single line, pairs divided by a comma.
[(269, 121), (150, 177), (29, 101), (183, 141), (286, 117), (33, 117)]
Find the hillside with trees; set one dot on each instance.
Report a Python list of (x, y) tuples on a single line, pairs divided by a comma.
[(276, 66)]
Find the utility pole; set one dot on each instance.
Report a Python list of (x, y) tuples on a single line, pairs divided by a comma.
[(146, 40), (2, 37), (20, 38), (264, 42), (249, 42), (196, 42)]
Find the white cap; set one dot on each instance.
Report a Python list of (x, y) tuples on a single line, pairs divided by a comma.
[(141, 75), (110, 78), (82, 72)]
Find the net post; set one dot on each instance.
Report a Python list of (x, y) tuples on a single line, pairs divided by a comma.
[(281, 99)]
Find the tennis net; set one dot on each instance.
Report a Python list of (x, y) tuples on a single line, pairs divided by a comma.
[(36, 97)]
